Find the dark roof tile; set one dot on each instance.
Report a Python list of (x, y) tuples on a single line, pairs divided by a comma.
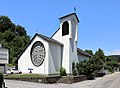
[(49, 39)]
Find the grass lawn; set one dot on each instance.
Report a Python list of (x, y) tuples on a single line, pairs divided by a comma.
[(24, 76)]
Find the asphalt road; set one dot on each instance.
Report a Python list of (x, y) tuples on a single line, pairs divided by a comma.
[(108, 81)]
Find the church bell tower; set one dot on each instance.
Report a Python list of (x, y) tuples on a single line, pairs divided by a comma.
[(68, 36)]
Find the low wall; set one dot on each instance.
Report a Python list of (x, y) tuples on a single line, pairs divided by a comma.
[(72, 79), (31, 79), (53, 79)]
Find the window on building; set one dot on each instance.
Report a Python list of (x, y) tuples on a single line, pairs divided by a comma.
[(65, 28)]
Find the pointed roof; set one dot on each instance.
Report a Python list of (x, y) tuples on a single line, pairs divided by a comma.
[(70, 15)]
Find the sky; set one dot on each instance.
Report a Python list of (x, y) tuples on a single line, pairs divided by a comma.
[(99, 25)]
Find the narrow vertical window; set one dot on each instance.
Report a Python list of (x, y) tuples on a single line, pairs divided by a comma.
[(65, 28)]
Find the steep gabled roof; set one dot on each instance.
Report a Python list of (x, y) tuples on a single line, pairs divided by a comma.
[(70, 15), (49, 39), (83, 52), (42, 36)]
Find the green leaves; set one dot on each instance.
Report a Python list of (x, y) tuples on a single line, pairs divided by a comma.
[(96, 63), (62, 71), (20, 30), (99, 54), (89, 52), (8, 35), (87, 67), (12, 37), (112, 66), (5, 24)]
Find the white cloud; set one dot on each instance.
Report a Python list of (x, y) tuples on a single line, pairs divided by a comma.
[(107, 53), (115, 52)]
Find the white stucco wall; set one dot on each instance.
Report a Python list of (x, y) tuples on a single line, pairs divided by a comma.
[(74, 56), (54, 58), (25, 62)]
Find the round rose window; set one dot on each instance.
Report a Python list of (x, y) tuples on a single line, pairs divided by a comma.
[(37, 53)]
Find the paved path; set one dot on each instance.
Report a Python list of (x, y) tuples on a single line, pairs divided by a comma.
[(108, 81)]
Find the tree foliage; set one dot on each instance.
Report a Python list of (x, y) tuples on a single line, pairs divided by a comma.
[(62, 72), (99, 54), (87, 67), (112, 64), (89, 52), (5, 24), (115, 57), (13, 37), (98, 62)]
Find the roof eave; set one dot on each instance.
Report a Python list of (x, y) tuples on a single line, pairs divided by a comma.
[(69, 15)]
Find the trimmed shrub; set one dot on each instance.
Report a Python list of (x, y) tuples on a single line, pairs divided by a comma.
[(1, 80), (74, 72), (62, 71)]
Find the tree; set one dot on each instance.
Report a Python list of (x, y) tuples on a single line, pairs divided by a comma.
[(89, 52), (8, 35), (99, 54), (97, 63), (12, 37), (87, 67), (20, 30), (113, 58), (94, 64), (112, 66), (5, 24), (112, 63)]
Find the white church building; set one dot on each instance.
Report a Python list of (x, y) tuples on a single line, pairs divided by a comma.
[(46, 55)]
